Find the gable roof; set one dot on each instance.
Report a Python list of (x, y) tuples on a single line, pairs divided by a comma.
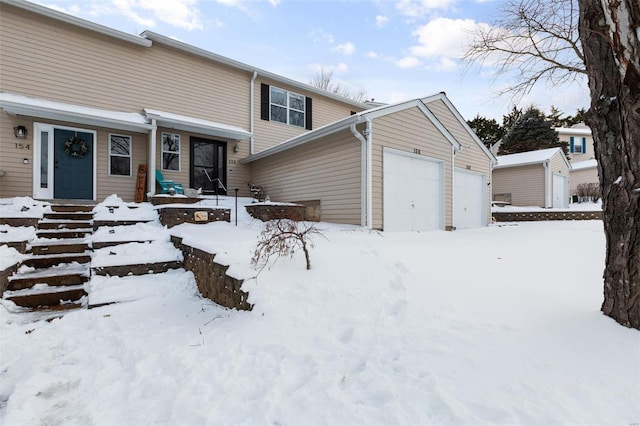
[(442, 96), (357, 118), (530, 157)]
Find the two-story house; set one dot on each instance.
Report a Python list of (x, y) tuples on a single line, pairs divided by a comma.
[(584, 167), (82, 105)]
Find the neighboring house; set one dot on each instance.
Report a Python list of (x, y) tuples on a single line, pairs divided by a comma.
[(583, 172), (96, 103), (534, 178)]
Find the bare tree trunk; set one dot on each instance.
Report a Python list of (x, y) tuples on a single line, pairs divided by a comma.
[(609, 31)]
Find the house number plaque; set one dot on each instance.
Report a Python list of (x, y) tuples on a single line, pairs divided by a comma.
[(201, 216)]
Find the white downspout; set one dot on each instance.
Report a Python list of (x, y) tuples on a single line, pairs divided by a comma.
[(369, 134), (366, 202), (251, 111), (151, 172), (547, 202), (453, 189)]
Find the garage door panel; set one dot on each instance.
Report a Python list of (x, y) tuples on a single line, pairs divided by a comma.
[(469, 200), (413, 189)]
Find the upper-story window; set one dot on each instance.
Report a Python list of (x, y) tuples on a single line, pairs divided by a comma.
[(171, 151), (577, 145), (285, 107)]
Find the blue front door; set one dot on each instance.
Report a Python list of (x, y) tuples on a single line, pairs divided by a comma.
[(73, 165)]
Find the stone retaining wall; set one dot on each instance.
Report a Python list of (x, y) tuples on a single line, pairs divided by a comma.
[(550, 215), (172, 216), (4, 277), (267, 212), (212, 279)]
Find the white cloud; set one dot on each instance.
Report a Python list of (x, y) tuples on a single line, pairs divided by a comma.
[(373, 55), (274, 3), (444, 37), (418, 9), (347, 48), (381, 21), (318, 34), (408, 62), (445, 64), (340, 68)]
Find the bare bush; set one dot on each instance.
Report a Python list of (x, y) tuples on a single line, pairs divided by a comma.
[(588, 192), (283, 237)]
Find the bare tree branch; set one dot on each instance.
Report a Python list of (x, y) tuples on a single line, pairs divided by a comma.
[(532, 41), (323, 79)]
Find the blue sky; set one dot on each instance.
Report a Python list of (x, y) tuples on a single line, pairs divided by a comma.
[(394, 50)]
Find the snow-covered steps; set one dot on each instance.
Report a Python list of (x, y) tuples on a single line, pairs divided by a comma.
[(43, 295), (51, 246), (64, 224), (64, 233), (60, 275), (86, 216), (49, 260), (136, 269)]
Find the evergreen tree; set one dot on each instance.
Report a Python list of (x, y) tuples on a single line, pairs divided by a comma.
[(488, 130), (555, 117), (510, 119), (530, 133)]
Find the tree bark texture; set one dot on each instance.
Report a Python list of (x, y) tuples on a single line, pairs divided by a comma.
[(609, 31)]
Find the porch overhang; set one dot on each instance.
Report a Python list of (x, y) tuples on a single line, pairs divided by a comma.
[(42, 108), (197, 125)]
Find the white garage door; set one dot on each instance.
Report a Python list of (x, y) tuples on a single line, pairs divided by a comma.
[(560, 192), (470, 198), (413, 192)]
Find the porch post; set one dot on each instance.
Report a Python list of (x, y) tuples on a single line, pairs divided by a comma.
[(151, 179)]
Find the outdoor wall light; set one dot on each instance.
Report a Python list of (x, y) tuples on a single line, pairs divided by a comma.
[(20, 132), (25, 160), (236, 148)]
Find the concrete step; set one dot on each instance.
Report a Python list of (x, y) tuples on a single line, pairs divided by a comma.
[(60, 276), (87, 216), (64, 224), (49, 260), (66, 208), (64, 233), (102, 244), (44, 295), (48, 246)]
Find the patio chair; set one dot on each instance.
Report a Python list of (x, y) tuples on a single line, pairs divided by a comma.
[(167, 185)]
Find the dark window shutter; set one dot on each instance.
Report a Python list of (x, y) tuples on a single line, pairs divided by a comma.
[(264, 101), (307, 114), (584, 145), (571, 144)]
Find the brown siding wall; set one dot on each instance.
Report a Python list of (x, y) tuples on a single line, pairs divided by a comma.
[(471, 157), (525, 184), (408, 130), (327, 169)]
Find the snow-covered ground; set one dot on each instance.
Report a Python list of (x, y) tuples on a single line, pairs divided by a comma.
[(499, 325), (583, 207)]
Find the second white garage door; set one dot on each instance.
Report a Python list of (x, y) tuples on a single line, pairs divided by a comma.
[(469, 200), (413, 192)]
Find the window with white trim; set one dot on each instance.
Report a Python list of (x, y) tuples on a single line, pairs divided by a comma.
[(171, 151), (119, 155), (287, 107)]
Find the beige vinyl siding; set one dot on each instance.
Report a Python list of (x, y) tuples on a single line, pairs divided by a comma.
[(408, 130), (45, 58), (123, 186), (18, 178), (327, 169), (557, 165), (524, 183), (271, 133), (582, 176), (471, 156), (575, 157)]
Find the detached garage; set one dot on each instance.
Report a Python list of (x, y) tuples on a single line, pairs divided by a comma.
[(535, 178), (391, 168)]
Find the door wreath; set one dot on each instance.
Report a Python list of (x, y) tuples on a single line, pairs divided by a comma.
[(76, 147)]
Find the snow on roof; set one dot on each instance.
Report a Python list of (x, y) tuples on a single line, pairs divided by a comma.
[(183, 122), (586, 164), (529, 157), (580, 131), (43, 108)]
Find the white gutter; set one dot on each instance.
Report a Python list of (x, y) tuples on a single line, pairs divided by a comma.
[(363, 174), (151, 171), (70, 19), (251, 112)]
